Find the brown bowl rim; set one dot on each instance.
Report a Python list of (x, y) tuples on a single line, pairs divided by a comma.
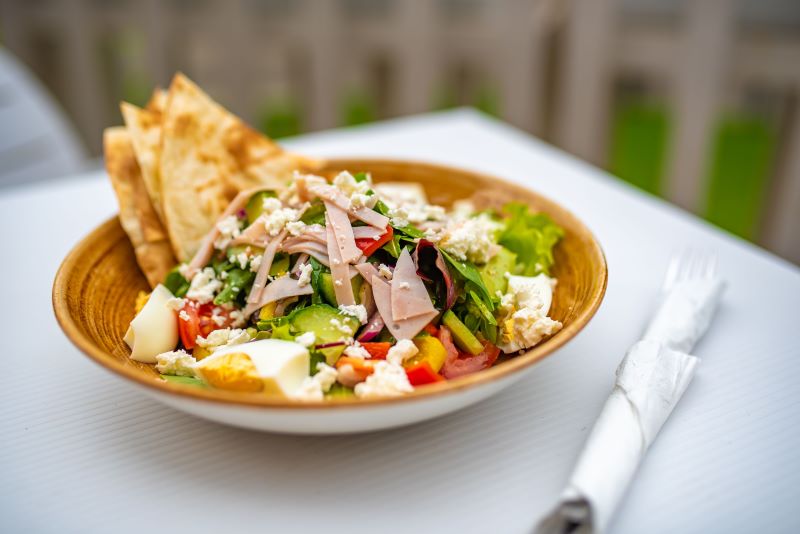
[(513, 365)]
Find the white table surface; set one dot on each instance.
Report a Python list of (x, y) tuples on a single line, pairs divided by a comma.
[(83, 452)]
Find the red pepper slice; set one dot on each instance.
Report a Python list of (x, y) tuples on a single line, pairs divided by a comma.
[(422, 373), (377, 349), (368, 246)]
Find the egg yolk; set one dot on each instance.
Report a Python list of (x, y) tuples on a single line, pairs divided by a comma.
[(234, 371)]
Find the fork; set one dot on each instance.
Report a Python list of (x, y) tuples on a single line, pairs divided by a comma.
[(690, 264)]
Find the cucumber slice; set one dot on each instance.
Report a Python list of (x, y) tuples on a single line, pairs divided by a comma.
[(329, 293), (462, 336), (255, 206), (322, 320)]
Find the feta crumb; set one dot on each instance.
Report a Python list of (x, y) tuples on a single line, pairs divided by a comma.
[(255, 262), (184, 315), (398, 217), (337, 283), (314, 387), (176, 303), (523, 312), (347, 184), (356, 310), (183, 270), (238, 318), (219, 320), (223, 338), (295, 228), (204, 286), (307, 339), (276, 217), (357, 351), (404, 285), (305, 275), (176, 362), (401, 351), (341, 327), (385, 272), (472, 239), (229, 229), (387, 380), (242, 258)]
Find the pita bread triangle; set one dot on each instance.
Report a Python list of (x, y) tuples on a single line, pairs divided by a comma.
[(207, 156)]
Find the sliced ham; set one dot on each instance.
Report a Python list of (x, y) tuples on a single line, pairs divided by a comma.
[(368, 232), (404, 329), (367, 270), (334, 196), (263, 270), (206, 250), (409, 296), (280, 288), (255, 234), (339, 269), (343, 232), (302, 259)]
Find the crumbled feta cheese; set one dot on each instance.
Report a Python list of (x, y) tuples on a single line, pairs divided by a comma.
[(385, 271), (362, 200), (223, 338), (357, 351), (421, 213), (401, 351), (472, 239), (314, 387), (348, 185), (176, 362), (295, 228), (337, 283), (404, 285), (387, 380), (398, 217), (219, 320), (255, 262), (306, 339), (305, 275), (184, 315), (242, 258), (275, 216), (229, 229), (238, 318), (183, 270), (356, 310), (341, 327), (523, 312), (176, 303), (204, 286)]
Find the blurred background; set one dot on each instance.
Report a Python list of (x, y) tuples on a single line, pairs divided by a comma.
[(695, 101)]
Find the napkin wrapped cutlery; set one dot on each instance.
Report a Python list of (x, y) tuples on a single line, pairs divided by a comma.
[(650, 381)]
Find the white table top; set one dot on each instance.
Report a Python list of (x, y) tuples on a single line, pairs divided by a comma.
[(83, 452)]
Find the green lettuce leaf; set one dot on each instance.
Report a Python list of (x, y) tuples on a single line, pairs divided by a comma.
[(532, 237)]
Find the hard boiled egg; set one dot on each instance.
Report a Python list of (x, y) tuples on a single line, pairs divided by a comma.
[(154, 329), (402, 193), (271, 366), (532, 291)]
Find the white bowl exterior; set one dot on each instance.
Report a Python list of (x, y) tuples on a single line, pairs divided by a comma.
[(339, 419)]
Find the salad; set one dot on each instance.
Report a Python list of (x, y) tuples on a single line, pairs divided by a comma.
[(311, 287), (349, 288)]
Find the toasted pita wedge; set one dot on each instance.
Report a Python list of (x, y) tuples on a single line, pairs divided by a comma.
[(207, 156), (158, 100), (136, 213), (144, 127)]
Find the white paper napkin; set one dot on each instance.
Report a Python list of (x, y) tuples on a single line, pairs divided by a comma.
[(650, 381)]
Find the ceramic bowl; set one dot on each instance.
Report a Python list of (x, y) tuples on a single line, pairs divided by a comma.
[(96, 286)]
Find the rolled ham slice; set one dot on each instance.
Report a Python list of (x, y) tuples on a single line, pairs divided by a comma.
[(280, 288), (409, 296), (263, 270), (403, 329), (334, 196), (206, 250), (342, 232), (367, 270), (339, 269)]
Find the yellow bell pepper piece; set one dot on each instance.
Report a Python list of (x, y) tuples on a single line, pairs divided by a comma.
[(431, 351)]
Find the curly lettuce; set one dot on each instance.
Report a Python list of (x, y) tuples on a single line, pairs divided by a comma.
[(532, 236)]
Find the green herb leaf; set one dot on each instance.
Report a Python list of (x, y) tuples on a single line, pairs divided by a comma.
[(315, 214), (237, 282), (176, 283), (467, 271)]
